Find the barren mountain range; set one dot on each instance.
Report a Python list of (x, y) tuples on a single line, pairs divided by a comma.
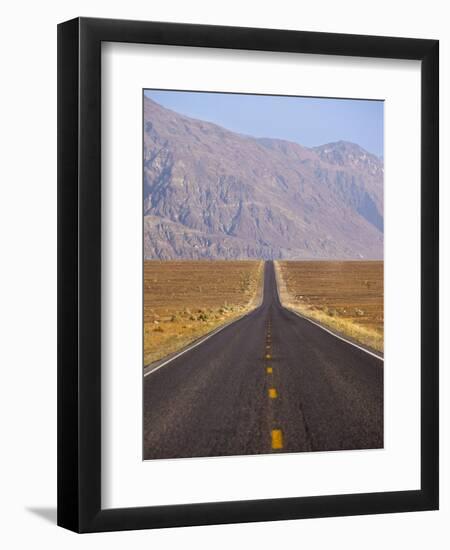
[(214, 194)]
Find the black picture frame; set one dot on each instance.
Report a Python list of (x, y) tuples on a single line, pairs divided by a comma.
[(79, 274)]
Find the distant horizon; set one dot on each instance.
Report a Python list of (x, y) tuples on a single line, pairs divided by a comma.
[(324, 120), (256, 259)]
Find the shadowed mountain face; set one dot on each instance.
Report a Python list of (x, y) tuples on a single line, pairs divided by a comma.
[(211, 193)]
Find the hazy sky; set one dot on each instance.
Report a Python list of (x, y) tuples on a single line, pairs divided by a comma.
[(308, 121)]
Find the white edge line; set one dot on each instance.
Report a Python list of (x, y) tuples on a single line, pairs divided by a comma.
[(322, 327), (200, 341), (207, 336), (334, 334)]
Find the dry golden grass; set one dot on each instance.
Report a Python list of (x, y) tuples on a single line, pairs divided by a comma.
[(346, 296), (184, 300)]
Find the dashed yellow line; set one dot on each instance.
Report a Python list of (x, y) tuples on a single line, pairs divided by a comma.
[(277, 435), (277, 439)]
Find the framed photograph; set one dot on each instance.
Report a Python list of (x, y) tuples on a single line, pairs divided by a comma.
[(248, 275)]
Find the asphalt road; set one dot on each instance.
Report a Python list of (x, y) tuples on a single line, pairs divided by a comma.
[(270, 382)]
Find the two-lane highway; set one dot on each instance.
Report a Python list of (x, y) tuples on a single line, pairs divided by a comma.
[(270, 382)]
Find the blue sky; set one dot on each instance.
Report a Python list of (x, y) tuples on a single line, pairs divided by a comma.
[(306, 120)]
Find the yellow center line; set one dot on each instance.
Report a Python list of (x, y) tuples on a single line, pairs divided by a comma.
[(273, 393), (277, 439), (277, 435)]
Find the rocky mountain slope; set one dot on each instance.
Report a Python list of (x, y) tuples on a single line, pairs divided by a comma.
[(211, 193)]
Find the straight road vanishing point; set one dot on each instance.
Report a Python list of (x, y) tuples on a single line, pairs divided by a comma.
[(269, 382)]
